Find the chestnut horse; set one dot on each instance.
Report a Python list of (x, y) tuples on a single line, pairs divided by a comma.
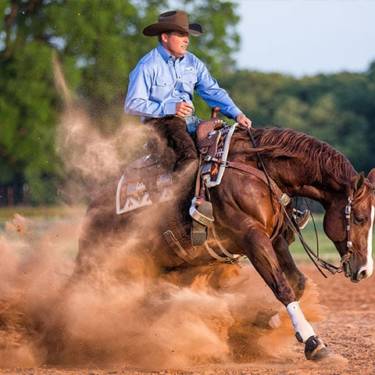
[(247, 216)]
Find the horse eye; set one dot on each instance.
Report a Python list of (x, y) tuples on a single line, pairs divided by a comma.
[(358, 219)]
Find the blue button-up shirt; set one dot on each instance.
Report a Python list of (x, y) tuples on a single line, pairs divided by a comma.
[(159, 81)]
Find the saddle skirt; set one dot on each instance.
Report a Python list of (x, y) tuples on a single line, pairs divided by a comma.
[(214, 150), (143, 183)]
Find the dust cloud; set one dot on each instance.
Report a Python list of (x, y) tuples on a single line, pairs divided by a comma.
[(206, 315), (90, 157), (137, 315)]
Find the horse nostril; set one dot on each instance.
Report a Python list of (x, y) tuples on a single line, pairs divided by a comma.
[(362, 274)]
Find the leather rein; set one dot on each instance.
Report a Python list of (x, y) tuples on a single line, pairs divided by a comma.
[(275, 190)]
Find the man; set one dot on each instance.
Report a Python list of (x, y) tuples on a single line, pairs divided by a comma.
[(163, 82), (161, 89), (162, 85)]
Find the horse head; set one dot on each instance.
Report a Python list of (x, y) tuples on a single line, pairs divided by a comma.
[(349, 224)]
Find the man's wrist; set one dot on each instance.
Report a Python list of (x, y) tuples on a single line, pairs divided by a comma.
[(170, 108), (236, 114)]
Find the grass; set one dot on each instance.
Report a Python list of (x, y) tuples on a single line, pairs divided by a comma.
[(309, 235), (326, 246), (49, 214), (44, 216), (48, 224)]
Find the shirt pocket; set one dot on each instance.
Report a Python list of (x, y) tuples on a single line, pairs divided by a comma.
[(189, 79), (161, 88)]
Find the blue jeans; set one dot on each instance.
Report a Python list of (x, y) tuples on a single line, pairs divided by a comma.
[(192, 123)]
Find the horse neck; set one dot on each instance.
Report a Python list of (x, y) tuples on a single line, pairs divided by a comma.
[(305, 166), (299, 178)]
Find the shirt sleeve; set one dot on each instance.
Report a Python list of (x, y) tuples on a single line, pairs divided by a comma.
[(138, 101), (210, 91)]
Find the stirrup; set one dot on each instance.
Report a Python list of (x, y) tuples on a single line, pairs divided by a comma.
[(202, 218), (202, 213), (198, 234), (301, 217)]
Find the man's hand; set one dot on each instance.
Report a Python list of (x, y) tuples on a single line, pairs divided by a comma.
[(244, 121), (184, 109)]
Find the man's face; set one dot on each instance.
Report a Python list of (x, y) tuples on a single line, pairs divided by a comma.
[(176, 43)]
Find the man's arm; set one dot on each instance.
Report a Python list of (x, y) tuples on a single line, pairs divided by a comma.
[(138, 100), (210, 91)]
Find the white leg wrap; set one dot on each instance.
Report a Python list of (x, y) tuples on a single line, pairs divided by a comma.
[(300, 324)]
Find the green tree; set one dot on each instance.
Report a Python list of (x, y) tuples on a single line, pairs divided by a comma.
[(98, 43), (259, 95), (27, 96), (336, 108)]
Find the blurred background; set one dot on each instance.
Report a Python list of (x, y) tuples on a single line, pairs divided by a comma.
[(307, 65)]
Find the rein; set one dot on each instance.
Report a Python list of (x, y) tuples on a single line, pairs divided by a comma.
[(314, 256)]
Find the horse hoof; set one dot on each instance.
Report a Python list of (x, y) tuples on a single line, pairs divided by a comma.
[(315, 350)]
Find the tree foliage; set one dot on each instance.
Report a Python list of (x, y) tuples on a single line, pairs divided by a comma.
[(99, 42)]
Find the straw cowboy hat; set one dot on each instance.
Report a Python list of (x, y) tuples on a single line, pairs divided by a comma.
[(175, 20)]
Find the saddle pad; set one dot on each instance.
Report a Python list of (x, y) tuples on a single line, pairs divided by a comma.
[(213, 166), (131, 195)]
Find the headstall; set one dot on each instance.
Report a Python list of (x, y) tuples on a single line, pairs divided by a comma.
[(349, 244)]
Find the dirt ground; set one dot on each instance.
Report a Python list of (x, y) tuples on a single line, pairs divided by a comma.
[(347, 329)]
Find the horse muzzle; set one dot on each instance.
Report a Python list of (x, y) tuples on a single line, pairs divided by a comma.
[(363, 273)]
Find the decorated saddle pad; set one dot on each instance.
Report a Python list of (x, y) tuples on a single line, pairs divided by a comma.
[(143, 183)]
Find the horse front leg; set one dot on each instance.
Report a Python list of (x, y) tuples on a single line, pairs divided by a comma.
[(262, 255), (295, 277)]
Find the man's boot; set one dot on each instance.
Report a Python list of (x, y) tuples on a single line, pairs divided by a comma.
[(301, 217)]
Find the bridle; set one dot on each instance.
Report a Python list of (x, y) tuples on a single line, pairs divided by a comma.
[(345, 259)]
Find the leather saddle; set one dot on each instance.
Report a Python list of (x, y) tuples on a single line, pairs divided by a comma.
[(145, 181)]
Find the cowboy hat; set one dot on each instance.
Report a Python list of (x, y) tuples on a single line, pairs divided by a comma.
[(175, 20)]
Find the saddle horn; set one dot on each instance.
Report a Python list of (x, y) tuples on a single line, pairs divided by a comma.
[(214, 112)]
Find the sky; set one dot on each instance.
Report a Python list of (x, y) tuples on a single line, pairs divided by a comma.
[(306, 37)]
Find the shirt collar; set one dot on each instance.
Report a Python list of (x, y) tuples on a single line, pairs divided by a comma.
[(165, 54)]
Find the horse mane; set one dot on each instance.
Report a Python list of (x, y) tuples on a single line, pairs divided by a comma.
[(320, 158)]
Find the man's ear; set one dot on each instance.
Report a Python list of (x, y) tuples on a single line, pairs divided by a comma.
[(164, 37)]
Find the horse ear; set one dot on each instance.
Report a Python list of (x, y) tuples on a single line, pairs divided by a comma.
[(358, 181), (371, 176)]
